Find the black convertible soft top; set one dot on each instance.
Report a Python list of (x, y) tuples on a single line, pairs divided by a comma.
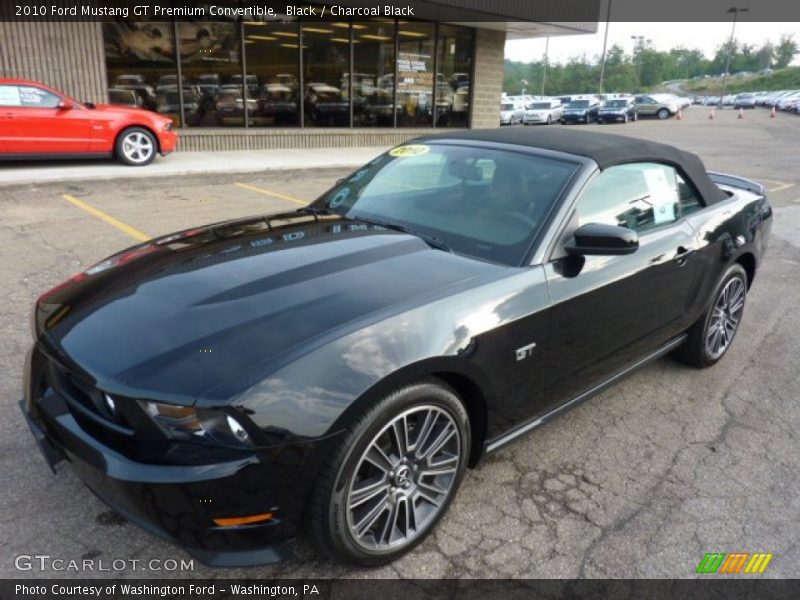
[(605, 149)]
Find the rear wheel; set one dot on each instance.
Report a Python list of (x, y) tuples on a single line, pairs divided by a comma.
[(711, 337), (136, 146), (662, 114), (393, 475)]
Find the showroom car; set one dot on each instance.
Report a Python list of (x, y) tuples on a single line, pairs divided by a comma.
[(39, 122), (339, 367)]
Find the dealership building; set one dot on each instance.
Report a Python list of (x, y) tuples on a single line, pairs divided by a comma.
[(294, 82)]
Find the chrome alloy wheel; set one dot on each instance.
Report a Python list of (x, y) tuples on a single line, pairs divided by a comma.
[(725, 317), (137, 147), (403, 479)]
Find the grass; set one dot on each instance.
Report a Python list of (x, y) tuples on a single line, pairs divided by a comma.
[(781, 79)]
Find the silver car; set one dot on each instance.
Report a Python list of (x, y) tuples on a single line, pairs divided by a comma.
[(511, 113), (543, 111)]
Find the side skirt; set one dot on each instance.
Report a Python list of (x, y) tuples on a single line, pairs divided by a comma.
[(504, 440)]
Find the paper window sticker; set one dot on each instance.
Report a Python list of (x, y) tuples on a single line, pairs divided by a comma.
[(663, 195), (9, 95)]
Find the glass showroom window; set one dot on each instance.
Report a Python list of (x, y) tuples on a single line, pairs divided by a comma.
[(272, 56), (415, 74), (373, 74), (454, 66), (214, 92), (326, 70), (140, 61)]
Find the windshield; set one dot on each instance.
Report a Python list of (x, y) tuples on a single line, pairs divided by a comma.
[(616, 104), (506, 107), (539, 106), (578, 104), (489, 204)]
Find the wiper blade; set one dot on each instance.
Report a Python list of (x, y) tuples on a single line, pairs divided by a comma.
[(313, 210), (430, 239)]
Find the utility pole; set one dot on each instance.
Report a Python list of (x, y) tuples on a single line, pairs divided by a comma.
[(605, 43), (735, 12), (544, 71), (638, 41)]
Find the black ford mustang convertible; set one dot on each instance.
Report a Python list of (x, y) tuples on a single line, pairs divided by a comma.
[(341, 366)]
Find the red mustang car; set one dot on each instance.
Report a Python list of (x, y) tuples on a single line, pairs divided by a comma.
[(38, 122)]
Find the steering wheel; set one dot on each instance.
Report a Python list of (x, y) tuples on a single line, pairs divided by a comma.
[(516, 216)]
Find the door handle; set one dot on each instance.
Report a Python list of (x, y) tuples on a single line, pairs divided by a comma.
[(682, 255)]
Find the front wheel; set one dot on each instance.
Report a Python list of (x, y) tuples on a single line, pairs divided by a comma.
[(711, 337), (393, 475), (136, 147)]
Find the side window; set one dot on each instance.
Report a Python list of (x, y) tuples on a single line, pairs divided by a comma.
[(34, 97), (640, 196), (9, 95)]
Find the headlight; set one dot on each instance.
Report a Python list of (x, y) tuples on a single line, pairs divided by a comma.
[(187, 423), (167, 126)]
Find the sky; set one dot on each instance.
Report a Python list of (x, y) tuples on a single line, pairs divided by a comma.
[(665, 36)]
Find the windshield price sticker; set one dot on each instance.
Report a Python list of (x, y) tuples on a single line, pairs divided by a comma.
[(409, 150)]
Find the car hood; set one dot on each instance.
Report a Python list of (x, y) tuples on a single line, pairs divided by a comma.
[(171, 319)]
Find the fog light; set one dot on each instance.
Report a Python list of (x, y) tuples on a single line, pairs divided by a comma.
[(234, 521)]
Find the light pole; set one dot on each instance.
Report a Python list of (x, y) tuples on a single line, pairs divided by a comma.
[(638, 42), (735, 12), (544, 70), (605, 43)]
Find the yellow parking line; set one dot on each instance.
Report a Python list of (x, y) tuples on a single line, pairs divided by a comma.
[(131, 231), (270, 193), (783, 186)]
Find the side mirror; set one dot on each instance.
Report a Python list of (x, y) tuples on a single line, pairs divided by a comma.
[(601, 239), (65, 105)]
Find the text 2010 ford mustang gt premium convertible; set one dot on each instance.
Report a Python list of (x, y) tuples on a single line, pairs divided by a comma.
[(341, 366)]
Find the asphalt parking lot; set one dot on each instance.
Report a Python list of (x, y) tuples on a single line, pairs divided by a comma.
[(639, 482)]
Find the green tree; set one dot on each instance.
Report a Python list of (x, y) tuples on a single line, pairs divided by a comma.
[(785, 51)]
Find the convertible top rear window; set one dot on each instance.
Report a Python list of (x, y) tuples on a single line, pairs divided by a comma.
[(480, 202)]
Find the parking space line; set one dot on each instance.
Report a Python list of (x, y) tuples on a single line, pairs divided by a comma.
[(783, 186), (253, 188), (131, 231)]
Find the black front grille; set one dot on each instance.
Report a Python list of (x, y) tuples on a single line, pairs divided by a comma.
[(86, 401)]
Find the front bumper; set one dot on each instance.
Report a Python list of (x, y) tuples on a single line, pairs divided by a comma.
[(610, 117), (167, 141), (574, 118), (179, 502), (528, 119)]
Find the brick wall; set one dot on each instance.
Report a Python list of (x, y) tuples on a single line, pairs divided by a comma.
[(488, 81), (67, 56)]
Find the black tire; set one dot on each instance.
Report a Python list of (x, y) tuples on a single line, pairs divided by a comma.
[(330, 511), (662, 113), (695, 350), (140, 137)]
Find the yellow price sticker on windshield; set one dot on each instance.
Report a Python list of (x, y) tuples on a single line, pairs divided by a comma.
[(409, 150)]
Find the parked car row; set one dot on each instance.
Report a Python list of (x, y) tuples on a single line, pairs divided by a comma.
[(786, 100), (588, 108)]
